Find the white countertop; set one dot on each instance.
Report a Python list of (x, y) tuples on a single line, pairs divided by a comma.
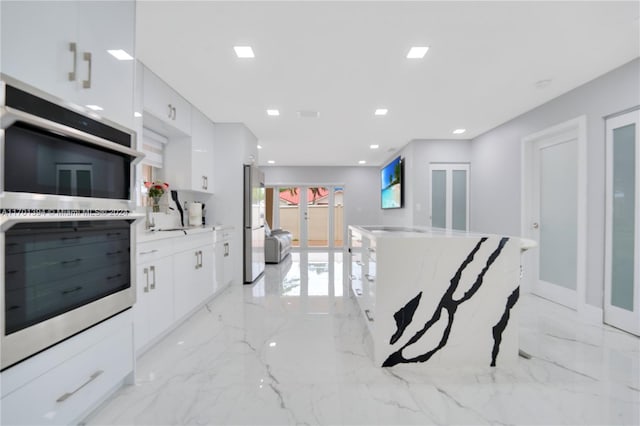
[(153, 235), (375, 231)]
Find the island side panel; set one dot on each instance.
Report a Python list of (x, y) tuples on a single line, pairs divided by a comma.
[(466, 290)]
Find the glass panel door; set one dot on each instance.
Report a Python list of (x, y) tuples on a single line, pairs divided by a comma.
[(622, 287), (450, 196)]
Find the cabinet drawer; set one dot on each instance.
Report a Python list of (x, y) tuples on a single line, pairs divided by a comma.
[(63, 394), (152, 250), (192, 241)]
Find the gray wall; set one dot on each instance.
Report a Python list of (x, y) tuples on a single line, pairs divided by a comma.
[(496, 170), (361, 187), (418, 154)]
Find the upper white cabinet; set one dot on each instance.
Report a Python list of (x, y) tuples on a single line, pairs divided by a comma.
[(165, 104), (189, 161), (60, 48)]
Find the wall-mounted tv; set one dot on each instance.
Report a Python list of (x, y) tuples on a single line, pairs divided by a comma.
[(392, 196)]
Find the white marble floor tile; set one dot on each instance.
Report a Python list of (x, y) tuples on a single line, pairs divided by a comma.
[(293, 349)]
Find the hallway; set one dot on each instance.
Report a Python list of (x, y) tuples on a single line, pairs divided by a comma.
[(292, 349)]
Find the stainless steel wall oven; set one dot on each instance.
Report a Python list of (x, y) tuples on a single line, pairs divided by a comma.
[(66, 221)]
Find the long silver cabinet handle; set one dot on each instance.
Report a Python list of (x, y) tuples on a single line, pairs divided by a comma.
[(73, 48), (148, 252), (9, 115), (170, 111), (70, 394), (201, 258), (153, 282), (226, 249), (368, 315), (197, 261), (86, 84), (146, 273), (175, 113)]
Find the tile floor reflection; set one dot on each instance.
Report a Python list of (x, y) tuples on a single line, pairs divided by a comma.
[(292, 349)]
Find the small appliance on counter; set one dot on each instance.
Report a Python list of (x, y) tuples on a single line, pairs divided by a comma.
[(195, 213)]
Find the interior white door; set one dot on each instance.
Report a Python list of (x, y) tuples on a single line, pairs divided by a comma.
[(555, 212), (449, 195), (622, 254)]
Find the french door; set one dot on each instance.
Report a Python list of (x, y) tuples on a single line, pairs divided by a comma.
[(313, 214), (622, 255), (449, 195)]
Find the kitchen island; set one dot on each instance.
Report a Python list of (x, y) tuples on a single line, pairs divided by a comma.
[(435, 296)]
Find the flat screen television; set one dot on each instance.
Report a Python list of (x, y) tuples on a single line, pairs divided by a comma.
[(391, 175)]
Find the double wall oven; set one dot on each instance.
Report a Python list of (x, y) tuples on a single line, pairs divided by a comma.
[(66, 221)]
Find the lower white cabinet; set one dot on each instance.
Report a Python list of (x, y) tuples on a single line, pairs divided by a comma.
[(63, 384), (154, 291), (224, 250), (193, 279), (175, 275)]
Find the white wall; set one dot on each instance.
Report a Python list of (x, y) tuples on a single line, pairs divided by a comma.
[(234, 146), (495, 162), (361, 187)]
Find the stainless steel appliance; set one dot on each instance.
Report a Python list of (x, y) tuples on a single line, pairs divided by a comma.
[(66, 221), (254, 211)]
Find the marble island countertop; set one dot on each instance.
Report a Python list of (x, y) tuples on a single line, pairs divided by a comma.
[(379, 231), (160, 234)]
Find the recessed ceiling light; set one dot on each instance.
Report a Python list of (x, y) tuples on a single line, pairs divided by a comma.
[(271, 162), (381, 111), (94, 107), (459, 131), (137, 114), (362, 162), (120, 55), (273, 112), (259, 146), (374, 146), (417, 52), (244, 51)]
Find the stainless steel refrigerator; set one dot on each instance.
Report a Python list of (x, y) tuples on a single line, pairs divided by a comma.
[(254, 211)]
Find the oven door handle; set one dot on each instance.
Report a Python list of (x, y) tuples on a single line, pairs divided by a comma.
[(9, 115)]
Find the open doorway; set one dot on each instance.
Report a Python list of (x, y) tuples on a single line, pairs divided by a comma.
[(313, 214)]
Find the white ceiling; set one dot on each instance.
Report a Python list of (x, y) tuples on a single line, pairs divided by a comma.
[(345, 59)]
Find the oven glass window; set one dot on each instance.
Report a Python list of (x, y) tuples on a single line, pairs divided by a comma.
[(41, 162), (53, 268)]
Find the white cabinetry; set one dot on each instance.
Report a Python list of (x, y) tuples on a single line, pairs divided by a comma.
[(194, 273), (154, 305), (62, 385), (165, 104), (224, 263), (189, 161), (60, 48)]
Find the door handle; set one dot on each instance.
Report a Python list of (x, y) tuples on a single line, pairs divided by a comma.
[(146, 273), (153, 282), (73, 48), (70, 394), (86, 84)]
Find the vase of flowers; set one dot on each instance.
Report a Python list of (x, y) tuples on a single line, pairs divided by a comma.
[(156, 190)]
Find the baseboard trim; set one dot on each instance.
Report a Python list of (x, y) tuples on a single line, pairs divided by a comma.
[(591, 314)]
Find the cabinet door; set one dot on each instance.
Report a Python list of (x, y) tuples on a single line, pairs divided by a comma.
[(164, 103), (154, 306), (186, 290), (202, 134), (104, 26), (36, 36), (161, 300)]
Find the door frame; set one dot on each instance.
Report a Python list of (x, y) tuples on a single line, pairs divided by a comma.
[(578, 128), (449, 168), (303, 210), (613, 315)]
